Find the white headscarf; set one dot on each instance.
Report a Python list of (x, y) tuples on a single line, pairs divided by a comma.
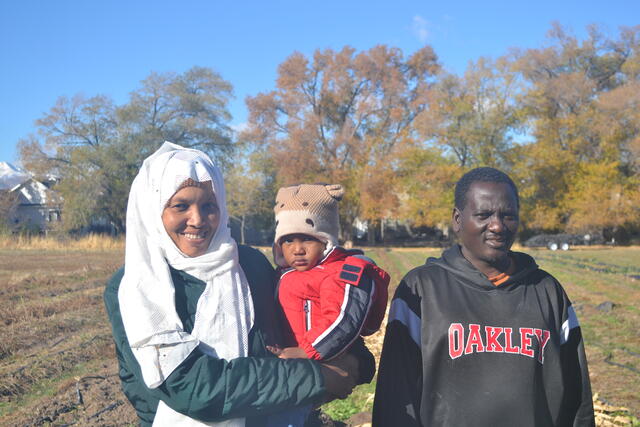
[(224, 313)]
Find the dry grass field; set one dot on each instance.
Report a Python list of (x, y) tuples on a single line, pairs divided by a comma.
[(56, 355), (57, 364)]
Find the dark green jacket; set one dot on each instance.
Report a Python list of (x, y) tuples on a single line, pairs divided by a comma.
[(211, 389)]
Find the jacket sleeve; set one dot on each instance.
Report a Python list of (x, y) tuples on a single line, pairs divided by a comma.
[(399, 384), (577, 405), (343, 310), (210, 389), (361, 264)]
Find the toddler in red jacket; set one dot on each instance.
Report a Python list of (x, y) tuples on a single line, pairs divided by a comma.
[(330, 296)]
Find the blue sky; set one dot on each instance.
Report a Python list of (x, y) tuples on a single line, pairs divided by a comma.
[(65, 47)]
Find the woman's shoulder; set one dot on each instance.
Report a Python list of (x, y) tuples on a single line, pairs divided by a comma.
[(110, 295), (252, 258), (114, 282), (258, 271)]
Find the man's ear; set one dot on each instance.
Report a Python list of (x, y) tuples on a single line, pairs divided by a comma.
[(456, 220)]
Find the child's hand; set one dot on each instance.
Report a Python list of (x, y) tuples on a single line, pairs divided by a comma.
[(288, 352)]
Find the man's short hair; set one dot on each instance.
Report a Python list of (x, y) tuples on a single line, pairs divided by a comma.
[(484, 174)]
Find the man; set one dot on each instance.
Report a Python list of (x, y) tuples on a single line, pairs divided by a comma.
[(482, 336)]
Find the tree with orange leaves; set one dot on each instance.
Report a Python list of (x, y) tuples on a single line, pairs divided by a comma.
[(581, 172), (341, 117)]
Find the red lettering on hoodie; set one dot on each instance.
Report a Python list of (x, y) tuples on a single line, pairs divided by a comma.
[(462, 343), (456, 340), (508, 348), (474, 339), (525, 341), (543, 338), (492, 333)]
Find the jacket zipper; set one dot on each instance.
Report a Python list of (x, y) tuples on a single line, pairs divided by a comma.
[(307, 314)]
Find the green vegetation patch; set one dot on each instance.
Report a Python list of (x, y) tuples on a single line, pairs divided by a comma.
[(361, 400)]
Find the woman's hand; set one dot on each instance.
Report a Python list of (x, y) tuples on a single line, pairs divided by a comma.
[(340, 375), (288, 352)]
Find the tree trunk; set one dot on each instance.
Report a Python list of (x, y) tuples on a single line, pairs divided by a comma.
[(371, 233), (344, 231), (410, 232), (242, 230)]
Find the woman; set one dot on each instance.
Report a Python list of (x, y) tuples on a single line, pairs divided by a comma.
[(192, 313)]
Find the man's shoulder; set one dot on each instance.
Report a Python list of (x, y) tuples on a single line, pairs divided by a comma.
[(530, 272), (523, 259), (421, 276), (429, 268), (527, 263)]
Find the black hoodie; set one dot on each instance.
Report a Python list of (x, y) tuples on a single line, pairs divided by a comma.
[(460, 351)]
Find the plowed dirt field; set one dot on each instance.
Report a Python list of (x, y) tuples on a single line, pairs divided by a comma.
[(57, 363)]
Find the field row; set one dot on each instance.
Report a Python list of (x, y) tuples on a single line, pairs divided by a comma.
[(606, 296), (57, 362)]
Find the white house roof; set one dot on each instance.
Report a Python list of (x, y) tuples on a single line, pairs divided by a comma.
[(32, 192), (11, 176)]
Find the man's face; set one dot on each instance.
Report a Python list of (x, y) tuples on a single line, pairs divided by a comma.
[(301, 251), (487, 225)]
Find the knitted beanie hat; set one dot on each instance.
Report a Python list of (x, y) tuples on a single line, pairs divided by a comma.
[(308, 209)]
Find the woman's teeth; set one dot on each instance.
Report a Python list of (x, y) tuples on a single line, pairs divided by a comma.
[(194, 236)]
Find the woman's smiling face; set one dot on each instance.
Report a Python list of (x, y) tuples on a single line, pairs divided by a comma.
[(191, 218)]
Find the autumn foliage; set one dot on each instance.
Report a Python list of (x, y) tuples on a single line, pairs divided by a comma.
[(395, 129), (563, 120), (344, 117)]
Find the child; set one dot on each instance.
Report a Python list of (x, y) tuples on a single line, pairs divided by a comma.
[(330, 296)]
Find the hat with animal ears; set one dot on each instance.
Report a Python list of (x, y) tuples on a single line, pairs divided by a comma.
[(310, 209)]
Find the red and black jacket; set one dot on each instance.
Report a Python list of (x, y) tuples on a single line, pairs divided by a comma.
[(330, 305)]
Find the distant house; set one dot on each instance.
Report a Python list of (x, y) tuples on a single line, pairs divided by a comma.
[(34, 205), (38, 207)]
